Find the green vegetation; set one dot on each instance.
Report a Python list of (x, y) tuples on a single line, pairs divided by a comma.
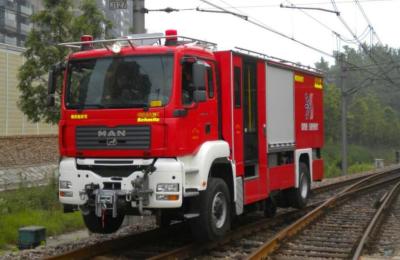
[(56, 23), (34, 206), (373, 117), (361, 158)]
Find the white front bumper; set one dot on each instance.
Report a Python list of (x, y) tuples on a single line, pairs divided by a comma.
[(167, 171)]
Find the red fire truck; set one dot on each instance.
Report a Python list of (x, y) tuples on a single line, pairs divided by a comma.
[(167, 125)]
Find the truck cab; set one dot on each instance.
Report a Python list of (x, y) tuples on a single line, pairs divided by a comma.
[(167, 125), (138, 131)]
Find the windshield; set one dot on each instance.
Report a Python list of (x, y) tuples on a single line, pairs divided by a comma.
[(121, 82)]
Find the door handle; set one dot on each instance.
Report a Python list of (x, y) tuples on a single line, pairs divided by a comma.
[(207, 128)]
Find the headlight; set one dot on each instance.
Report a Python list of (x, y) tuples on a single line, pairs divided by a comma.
[(168, 187), (65, 184)]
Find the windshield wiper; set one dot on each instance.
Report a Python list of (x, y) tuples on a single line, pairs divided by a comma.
[(135, 105), (81, 107)]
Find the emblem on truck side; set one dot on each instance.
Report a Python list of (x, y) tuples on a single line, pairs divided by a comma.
[(309, 106)]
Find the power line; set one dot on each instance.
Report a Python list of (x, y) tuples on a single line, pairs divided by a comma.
[(384, 74), (321, 23), (372, 28), (362, 35), (368, 21), (306, 4), (310, 8), (263, 26)]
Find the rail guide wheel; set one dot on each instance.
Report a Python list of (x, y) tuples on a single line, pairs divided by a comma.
[(102, 225)]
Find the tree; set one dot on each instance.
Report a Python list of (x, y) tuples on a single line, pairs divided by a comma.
[(55, 24)]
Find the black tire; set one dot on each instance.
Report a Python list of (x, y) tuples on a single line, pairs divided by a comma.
[(298, 197), (270, 208), (95, 225), (215, 212)]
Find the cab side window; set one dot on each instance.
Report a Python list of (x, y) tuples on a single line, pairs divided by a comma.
[(187, 83), (210, 82)]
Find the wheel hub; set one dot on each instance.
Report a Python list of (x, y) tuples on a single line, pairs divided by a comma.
[(219, 210), (304, 187)]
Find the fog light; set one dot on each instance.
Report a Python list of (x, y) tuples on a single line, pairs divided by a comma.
[(168, 187), (167, 197), (65, 184), (66, 193)]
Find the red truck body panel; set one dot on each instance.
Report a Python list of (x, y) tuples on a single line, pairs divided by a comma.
[(238, 116)]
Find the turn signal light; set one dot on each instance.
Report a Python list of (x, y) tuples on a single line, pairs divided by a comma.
[(167, 197)]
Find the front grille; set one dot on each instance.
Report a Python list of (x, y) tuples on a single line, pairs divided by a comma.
[(113, 138)]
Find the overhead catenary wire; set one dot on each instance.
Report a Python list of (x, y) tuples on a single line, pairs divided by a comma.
[(371, 27), (307, 4), (364, 48), (263, 26), (324, 25), (254, 22), (338, 35), (368, 21)]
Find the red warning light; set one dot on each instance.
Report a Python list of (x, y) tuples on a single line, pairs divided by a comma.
[(171, 37)]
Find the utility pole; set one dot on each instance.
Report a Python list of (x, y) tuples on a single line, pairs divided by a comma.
[(343, 72), (138, 16)]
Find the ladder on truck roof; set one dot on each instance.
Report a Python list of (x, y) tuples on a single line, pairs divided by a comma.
[(143, 39)]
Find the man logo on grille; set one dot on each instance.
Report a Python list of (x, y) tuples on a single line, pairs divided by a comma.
[(111, 136)]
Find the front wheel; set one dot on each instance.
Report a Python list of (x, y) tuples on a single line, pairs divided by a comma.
[(105, 225), (214, 208), (297, 197)]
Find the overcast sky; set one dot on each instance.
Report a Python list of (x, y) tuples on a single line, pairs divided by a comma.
[(230, 31)]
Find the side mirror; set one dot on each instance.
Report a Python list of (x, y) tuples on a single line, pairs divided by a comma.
[(199, 72), (51, 100), (199, 96), (51, 87), (55, 71)]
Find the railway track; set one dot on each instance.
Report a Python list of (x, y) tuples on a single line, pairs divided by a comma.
[(382, 236), (334, 229), (175, 241)]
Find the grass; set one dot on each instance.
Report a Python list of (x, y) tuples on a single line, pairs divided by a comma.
[(37, 206), (360, 158)]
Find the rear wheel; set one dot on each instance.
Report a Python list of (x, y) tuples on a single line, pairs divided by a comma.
[(270, 208), (214, 208), (298, 196), (105, 225)]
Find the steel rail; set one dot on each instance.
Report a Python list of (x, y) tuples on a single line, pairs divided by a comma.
[(376, 220), (193, 249), (331, 186), (118, 244), (360, 186)]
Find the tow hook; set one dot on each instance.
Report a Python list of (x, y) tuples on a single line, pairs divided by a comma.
[(105, 200), (141, 190)]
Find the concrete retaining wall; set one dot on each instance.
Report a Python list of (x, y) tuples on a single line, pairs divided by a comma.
[(28, 176), (27, 160)]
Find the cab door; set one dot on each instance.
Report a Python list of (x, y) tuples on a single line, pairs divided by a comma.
[(199, 120)]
